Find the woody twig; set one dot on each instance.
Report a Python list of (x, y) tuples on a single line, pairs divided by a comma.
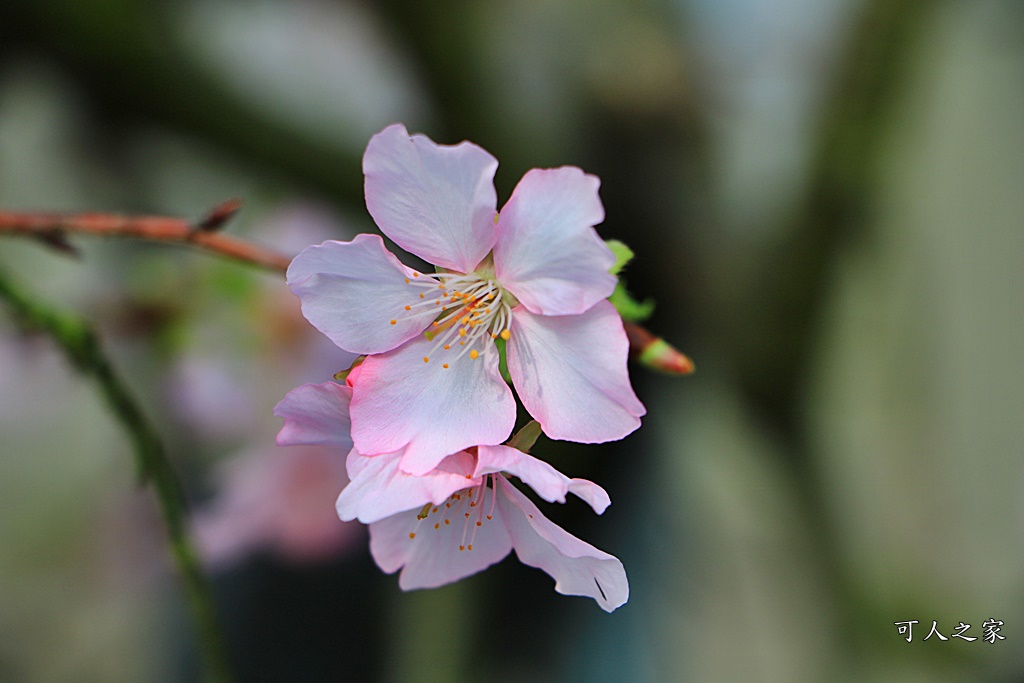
[(53, 228)]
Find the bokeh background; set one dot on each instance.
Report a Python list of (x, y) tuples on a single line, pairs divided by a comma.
[(826, 199)]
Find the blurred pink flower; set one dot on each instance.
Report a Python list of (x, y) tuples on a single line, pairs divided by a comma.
[(281, 501), (535, 275)]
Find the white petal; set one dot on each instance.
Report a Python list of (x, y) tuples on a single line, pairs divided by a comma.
[(435, 201), (351, 291), (400, 402), (549, 483), (429, 556), (315, 414), (547, 252), (379, 489), (570, 372), (577, 567)]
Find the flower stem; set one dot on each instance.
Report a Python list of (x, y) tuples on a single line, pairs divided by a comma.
[(82, 348)]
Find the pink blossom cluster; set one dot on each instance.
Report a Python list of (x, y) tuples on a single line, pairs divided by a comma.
[(425, 415)]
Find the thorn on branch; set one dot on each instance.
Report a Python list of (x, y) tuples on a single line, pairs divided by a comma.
[(218, 217), (57, 240)]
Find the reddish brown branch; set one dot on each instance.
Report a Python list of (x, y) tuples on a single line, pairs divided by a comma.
[(52, 228)]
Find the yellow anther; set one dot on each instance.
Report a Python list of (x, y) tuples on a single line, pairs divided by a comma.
[(445, 366), (408, 308), (473, 354), (422, 295), (470, 546), (447, 347), (412, 534), (415, 274), (426, 359), (462, 332), (406, 280), (465, 319), (506, 334), (394, 322)]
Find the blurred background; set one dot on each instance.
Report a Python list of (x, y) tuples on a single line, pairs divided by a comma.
[(826, 199)]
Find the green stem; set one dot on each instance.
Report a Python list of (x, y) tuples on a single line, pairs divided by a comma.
[(83, 350)]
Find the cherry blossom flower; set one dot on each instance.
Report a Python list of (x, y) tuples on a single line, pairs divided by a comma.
[(536, 276), (460, 517), (465, 515)]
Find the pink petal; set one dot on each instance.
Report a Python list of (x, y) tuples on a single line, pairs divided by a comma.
[(379, 489), (430, 557), (549, 483), (570, 372), (400, 402), (435, 201), (578, 568), (548, 253), (351, 291), (315, 414)]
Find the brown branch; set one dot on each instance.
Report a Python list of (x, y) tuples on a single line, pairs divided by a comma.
[(647, 348), (52, 228)]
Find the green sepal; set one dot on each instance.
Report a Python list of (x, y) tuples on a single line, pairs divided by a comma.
[(526, 437), (623, 255), (503, 359), (629, 308), (342, 375)]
